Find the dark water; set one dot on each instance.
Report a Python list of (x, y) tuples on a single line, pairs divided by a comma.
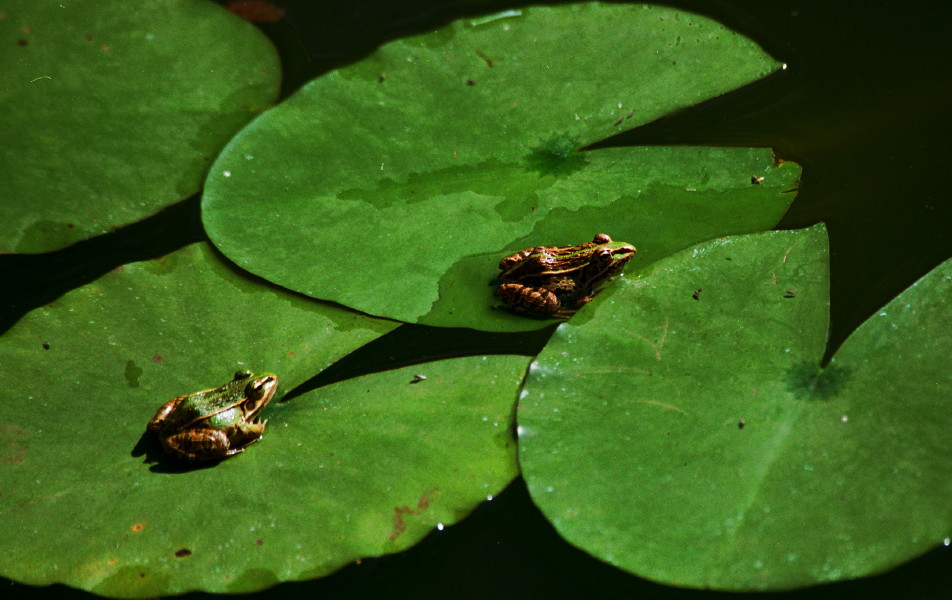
[(863, 107)]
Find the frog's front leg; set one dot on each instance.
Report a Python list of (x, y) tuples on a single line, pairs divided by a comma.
[(245, 434), (567, 310), (200, 444), (530, 300)]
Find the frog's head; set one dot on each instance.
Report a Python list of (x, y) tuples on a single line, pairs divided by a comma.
[(608, 258), (257, 391)]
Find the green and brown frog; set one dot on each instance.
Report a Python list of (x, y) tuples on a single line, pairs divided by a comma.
[(215, 423), (555, 281)]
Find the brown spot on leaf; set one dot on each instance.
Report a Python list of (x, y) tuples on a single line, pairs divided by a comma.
[(21, 42), (399, 524), (137, 527), (182, 553), (156, 358), (46, 345), (10, 449), (256, 11)]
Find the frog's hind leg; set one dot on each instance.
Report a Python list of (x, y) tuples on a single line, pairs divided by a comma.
[(530, 300), (201, 444)]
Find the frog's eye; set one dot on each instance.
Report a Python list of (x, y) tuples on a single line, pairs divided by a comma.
[(256, 389), (242, 374), (603, 255), (602, 238)]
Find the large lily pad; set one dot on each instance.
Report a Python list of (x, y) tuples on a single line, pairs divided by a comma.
[(397, 183), (681, 428), (86, 500), (113, 110)]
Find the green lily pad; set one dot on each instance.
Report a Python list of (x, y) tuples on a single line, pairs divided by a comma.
[(87, 500), (396, 184), (113, 110), (681, 428)]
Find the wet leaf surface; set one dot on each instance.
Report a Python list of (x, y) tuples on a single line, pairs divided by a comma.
[(396, 184), (681, 428), (114, 110), (362, 467)]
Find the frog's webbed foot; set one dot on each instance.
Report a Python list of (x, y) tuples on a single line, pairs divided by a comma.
[(252, 430), (565, 313), (531, 300), (576, 304)]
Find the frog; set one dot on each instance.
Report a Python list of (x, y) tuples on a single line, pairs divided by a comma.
[(216, 423), (555, 281)]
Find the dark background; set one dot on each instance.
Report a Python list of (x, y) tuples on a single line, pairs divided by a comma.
[(862, 107)]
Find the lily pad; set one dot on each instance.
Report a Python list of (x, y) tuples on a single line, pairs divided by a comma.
[(113, 110), (86, 499), (681, 427), (396, 184)]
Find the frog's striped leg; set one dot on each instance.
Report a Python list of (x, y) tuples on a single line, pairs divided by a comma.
[(530, 300), (200, 444)]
